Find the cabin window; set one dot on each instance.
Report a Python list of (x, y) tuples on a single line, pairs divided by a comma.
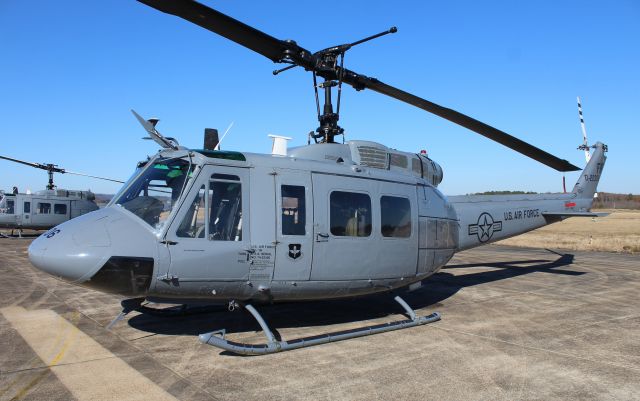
[(293, 210), (10, 206), (26, 207), (395, 215), (44, 208), (225, 217), (59, 208), (193, 224), (350, 214)]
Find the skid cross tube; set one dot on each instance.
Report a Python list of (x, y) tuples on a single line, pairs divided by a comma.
[(217, 338)]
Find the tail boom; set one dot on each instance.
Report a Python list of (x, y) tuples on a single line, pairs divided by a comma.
[(488, 218)]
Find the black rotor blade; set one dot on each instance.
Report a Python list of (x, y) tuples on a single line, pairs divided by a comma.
[(232, 29), (359, 82), (21, 161), (36, 165), (279, 50)]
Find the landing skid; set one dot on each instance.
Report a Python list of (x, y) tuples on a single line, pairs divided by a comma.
[(217, 338), (12, 235)]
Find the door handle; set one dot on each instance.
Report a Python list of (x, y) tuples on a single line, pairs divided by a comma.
[(322, 237)]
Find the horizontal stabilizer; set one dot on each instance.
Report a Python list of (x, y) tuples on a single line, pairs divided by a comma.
[(575, 214)]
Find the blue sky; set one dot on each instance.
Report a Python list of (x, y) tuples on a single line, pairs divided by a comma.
[(71, 70)]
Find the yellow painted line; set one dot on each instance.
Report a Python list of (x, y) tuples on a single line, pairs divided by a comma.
[(86, 368)]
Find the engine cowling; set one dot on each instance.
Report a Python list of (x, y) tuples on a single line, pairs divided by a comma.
[(431, 171)]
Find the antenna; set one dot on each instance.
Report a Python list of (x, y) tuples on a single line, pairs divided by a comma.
[(279, 146), (223, 135), (585, 144)]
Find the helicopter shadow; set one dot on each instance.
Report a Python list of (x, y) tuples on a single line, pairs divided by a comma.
[(434, 290)]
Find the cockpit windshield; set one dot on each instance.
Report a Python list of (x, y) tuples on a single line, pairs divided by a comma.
[(6, 204), (155, 192)]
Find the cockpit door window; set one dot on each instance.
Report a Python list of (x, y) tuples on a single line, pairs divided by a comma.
[(193, 223), (225, 214)]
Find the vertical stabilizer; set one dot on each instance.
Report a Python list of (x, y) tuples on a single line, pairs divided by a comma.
[(588, 182)]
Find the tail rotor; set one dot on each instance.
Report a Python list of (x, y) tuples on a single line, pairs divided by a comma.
[(585, 144)]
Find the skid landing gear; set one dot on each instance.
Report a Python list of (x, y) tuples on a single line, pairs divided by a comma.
[(217, 338), (12, 235)]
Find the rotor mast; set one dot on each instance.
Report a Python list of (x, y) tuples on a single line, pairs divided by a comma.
[(329, 127), (51, 168), (324, 63)]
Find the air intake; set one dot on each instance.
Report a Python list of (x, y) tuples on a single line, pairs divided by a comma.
[(370, 154)]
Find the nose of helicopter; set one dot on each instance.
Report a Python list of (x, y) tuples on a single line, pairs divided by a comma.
[(74, 250), (97, 250)]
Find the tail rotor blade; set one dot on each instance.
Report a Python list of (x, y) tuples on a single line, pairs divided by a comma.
[(585, 144)]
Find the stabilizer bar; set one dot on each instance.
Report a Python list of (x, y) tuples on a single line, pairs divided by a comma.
[(217, 338)]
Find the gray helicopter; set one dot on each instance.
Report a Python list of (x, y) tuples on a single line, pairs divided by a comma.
[(324, 221), (44, 209)]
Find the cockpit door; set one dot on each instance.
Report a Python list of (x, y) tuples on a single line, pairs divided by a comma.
[(209, 237)]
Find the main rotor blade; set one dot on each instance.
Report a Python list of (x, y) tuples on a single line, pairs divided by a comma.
[(359, 82), (21, 161), (279, 50), (232, 29), (36, 165), (92, 176), (56, 169)]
